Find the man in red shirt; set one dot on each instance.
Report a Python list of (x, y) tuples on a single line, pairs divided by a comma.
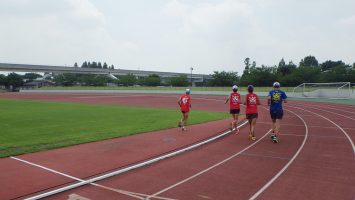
[(234, 106), (185, 105), (251, 111)]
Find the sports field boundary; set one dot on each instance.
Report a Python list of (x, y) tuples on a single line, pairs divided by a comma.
[(129, 168)]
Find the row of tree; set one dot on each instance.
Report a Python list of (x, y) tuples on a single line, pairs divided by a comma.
[(94, 64), (288, 74)]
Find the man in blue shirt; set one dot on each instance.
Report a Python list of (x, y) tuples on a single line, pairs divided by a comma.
[(275, 99)]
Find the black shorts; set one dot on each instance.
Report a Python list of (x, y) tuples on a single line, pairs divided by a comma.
[(252, 116), (276, 114), (234, 111)]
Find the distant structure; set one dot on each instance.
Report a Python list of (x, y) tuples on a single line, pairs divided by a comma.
[(197, 79)]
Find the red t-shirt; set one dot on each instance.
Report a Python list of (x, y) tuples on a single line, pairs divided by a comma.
[(252, 103), (185, 103), (234, 100)]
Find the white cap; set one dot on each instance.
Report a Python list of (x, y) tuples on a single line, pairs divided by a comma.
[(235, 87), (187, 91), (276, 84)]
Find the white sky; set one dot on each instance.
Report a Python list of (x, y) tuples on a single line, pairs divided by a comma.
[(174, 35)]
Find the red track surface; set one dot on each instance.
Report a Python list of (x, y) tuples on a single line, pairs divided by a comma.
[(324, 168)]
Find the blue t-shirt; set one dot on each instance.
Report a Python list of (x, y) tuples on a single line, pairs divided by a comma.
[(276, 99)]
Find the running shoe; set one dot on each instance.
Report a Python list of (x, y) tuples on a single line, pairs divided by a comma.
[(179, 124), (236, 130), (274, 139), (253, 138), (250, 137)]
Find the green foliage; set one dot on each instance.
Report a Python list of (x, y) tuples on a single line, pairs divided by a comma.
[(260, 76), (152, 80), (224, 78), (2, 79), (31, 76), (14, 80), (127, 80), (180, 81), (309, 61)]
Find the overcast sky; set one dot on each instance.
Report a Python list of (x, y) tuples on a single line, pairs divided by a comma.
[(174, 35)]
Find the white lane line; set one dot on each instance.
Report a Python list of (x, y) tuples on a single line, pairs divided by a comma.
[(261, 190), (287, 124), (69, 176), (142, 196), (334, 113), (345, 133), (322, 108), (142, 164), (206, 170), (332, 108)]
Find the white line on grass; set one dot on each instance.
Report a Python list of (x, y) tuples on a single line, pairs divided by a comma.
[(261, 190), (142, 164)]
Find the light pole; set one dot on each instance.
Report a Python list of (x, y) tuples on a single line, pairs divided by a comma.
[(191, 75)]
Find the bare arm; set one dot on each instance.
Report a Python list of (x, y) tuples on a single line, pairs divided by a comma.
[(227, 100)]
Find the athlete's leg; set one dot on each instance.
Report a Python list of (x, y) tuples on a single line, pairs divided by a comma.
[(277, 127), (186, 116), (253, 124)]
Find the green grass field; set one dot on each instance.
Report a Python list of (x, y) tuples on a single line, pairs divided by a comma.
[(30, 126), (256, 89)]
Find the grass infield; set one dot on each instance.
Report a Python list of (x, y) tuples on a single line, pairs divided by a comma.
[(31, 126)]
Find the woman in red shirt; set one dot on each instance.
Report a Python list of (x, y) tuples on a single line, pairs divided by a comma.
[(185, 105), (234, 105), (251, 111)]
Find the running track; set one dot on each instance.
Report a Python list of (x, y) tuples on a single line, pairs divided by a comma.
[(315, 159)]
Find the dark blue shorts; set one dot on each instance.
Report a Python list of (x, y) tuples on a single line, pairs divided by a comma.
[(276, 114), (234, 111)]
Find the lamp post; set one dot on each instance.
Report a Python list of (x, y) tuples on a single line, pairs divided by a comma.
[(191, 75)]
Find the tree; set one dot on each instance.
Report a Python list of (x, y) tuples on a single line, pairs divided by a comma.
[(127, 80), (327, 65), (84, 65), (247, 65), (112, 67), (99, 65), (31, 76), (179, 81), (13, 80), (224, 78), (75, 64), (309, 61), (105, 66), (152, 80), (2, 79), (284, 69), (93, 65)]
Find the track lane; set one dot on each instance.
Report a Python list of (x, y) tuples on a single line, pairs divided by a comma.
[(175, 169), (323, 169)]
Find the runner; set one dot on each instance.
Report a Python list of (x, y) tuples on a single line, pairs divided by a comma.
[(185, 105), (251, 110), (234, 107), (275, 99)]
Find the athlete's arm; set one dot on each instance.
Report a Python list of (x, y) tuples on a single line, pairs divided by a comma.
[(179, 102), (284, 97), (227, 99), (269, 99)]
